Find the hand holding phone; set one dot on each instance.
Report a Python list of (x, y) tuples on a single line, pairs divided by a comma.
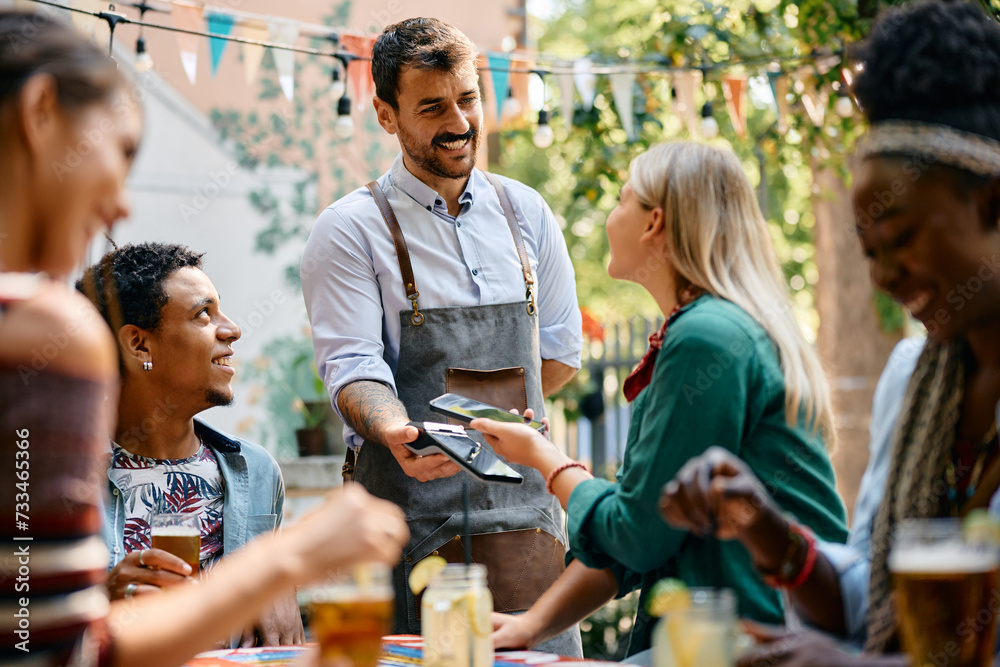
[(464, 409)]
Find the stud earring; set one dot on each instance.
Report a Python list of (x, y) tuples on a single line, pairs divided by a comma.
[(147, 365)]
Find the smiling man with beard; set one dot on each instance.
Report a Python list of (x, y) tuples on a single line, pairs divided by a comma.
[(440, 277), (175, 353)]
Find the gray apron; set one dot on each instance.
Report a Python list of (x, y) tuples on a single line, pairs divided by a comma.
[(432, 341)]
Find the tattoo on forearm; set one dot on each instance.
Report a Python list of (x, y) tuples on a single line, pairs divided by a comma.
[(368, 407)]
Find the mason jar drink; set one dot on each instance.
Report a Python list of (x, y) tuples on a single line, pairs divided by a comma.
[(945, 593), (456, 618), (699, 633)]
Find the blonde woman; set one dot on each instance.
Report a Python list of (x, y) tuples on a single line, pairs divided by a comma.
[(730, 368)]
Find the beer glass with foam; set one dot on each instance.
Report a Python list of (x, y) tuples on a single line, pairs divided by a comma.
[(179, 534), (349, 613), (945, 592)]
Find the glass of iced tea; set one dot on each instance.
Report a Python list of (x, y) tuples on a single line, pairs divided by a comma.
[(179, 534), (349, 614), (945, 589)]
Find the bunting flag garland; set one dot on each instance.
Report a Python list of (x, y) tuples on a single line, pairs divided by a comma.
[(188, 16), (252, 53), (685, 85), (586, 82), (622, 85), (359, 73), (779, 88), (284, 32), (734, 87), (566, 102), (220, 24), (814, 101), (499, 65)]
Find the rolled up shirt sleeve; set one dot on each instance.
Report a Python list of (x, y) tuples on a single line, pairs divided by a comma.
[(342, 298)]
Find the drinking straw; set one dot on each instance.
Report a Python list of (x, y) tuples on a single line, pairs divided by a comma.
[(465, 529)]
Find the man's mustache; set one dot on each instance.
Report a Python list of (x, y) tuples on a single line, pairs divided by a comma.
[(449, 138)]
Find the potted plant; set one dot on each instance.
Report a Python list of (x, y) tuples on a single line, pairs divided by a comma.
[(311, 439)]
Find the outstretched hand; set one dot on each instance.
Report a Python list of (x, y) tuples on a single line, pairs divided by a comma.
[(516, 443), (715, 494), (421, 468)]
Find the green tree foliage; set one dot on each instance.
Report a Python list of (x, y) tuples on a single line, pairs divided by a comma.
[(582, 173)]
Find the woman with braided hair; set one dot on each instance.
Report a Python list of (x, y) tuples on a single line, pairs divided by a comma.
[(926, 195)]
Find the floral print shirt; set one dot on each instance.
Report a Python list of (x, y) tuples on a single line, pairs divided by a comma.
[(151, 486)]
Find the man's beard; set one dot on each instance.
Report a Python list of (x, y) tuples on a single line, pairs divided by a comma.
[(216, 398), (429, 161)]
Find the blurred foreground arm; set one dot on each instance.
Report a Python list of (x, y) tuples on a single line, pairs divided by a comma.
[(165, 630)]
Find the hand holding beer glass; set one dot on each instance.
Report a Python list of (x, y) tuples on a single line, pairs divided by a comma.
[(179, 534), (945, 591), (349, 613)]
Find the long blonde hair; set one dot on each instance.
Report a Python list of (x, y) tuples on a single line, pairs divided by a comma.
[(718, 241)]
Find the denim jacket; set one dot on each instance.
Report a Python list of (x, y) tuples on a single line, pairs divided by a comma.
[(254, 494)]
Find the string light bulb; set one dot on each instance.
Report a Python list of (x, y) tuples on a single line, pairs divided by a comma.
[(343, 127), (543, 134), (844, 106), (143, 61), (511, 108), (709, 126), (337, 86)]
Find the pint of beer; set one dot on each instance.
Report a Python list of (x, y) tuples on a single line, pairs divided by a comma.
[(350, 613), (946, 594), (179, 534)]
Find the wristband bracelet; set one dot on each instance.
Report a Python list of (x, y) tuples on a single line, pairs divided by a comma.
[(785, 575), (555, 473)]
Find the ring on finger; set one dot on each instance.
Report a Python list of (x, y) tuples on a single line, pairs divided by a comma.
[(141, 554), (130, 590)]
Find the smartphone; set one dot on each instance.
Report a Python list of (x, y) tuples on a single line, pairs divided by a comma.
[(465, 410), (452, 441)]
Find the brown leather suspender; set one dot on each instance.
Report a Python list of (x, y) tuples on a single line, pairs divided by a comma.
[(405, 269), (403, 255), (515, 230)]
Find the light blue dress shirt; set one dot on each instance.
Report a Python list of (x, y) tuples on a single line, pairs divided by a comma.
[(354, 292), (853, 560)]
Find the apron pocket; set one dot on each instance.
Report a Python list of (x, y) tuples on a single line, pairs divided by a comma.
[(504, 387)]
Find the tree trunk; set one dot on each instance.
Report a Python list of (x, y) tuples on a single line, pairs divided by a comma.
[(851, 344)]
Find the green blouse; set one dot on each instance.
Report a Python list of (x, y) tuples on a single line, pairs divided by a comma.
[(716, 381)]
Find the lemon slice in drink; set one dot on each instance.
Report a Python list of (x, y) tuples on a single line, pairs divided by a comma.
[(667, 595), (424, 571), (481, 612)]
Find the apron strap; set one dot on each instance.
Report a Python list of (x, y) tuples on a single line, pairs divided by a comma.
[(402, 254), (515, 231)]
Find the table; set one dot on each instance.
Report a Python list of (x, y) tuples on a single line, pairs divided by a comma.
[(397, 651)]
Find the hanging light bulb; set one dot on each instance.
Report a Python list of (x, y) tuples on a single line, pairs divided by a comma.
[(511, 108), (844, 106), (343, 127), (543, 135), (337, 86), (709, 126), (143, 61)]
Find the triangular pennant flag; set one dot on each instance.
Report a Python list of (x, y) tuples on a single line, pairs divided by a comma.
[(188, 16), (622, 84), (686, 84), (219, 24), (586, 82), (499, 65), (567, 104), (252, 53), (359, 72), (734, 87), (284, 32), (779, 88), (814, 101)]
